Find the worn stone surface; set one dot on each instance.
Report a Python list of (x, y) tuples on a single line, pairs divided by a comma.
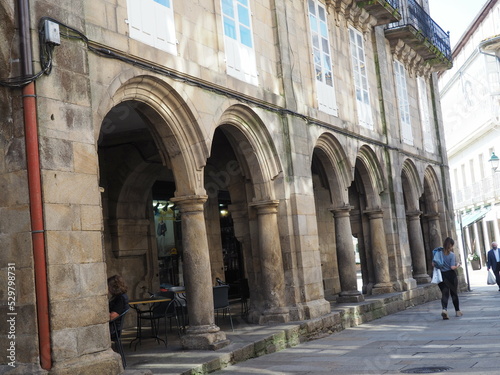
[(74, 247), (98, 168)]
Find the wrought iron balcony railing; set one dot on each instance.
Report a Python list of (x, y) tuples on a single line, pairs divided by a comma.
[(394, 3), (426, 30), (384, 11)]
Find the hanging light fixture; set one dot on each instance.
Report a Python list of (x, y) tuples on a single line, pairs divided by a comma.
[(494, 160)]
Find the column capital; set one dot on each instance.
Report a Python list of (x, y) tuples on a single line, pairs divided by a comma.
[(342, 211), (374, 213), (432, 215), (413, 215), (190, 203), (266, 207)]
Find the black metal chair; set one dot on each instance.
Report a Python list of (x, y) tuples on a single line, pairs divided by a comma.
[(182, 308), (162, 310), (221, 301), (115, 328), (239, 291), (245, 295)]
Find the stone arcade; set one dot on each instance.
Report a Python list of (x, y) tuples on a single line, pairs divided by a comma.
[(289, 144)]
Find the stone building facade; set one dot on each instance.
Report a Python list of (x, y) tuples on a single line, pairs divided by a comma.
[(315, 126), (470, 96)]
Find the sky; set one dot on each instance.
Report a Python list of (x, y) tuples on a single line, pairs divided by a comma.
[(455, 15)]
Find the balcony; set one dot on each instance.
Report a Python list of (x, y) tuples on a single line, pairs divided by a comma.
[(491, 46), (419, 31), (384, 11)]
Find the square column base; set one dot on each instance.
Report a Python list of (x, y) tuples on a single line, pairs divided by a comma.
[(350, 298), (204, 340)]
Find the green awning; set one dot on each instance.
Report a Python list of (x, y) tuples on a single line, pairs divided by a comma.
[(473, 216)]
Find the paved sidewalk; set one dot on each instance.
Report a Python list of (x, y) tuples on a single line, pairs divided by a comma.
[(414, 338)]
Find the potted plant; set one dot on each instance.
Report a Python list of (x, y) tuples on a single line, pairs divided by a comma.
[(475, 261)]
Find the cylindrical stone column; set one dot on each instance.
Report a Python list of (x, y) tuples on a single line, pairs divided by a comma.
[(467, 239), (495, 231), (379, 252), (435, 239), (202, 332), (417, 247), (475, 228), (345, 254), (487, 242), (271, 260)]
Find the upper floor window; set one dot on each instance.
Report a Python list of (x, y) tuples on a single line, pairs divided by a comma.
[(456, 182), (481, 166), (322, 58), (403, 102), (152, 22), (424, 115), (472, 169), (360, 78), (238, 40)]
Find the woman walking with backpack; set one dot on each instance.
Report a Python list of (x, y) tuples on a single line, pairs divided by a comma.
[(449, 285)]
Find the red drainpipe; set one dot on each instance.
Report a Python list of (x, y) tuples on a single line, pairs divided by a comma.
[(35, 189)]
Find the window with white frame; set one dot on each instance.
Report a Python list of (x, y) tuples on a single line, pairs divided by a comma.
[(152, 22), (360, 78), (472, 169), (455, 180), (238, 40), (424, 115), (464, 175), (403, 102), (481, 167), (322, 58)]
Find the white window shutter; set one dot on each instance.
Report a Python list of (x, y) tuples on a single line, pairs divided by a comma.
[(248, 64), (424, 115), (233, 62), (152, 23), (148, 22), (403, 102), (326, 98), (362, 90), (134, 18), (240, 58)]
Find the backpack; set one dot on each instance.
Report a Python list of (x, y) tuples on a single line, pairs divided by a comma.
[(437, 258)]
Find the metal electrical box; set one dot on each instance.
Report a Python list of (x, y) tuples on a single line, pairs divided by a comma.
[(52, 35)]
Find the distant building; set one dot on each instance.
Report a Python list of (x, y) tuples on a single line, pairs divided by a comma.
[(177, 142), (470, 102)]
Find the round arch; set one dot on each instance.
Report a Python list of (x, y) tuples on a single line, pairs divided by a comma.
[(412, 185), (370, 172), (254, 148), (181, 142), (432, 190), (338, 168)]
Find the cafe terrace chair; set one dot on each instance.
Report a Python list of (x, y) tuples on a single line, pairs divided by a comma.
[(162, 310), (239, 291), (221, 301), (182, 308), (244, 290), (115, 328)]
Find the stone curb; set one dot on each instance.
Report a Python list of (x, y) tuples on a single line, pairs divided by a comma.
[(342, 316)]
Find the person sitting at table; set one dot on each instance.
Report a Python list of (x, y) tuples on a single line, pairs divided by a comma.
[(118, 299)]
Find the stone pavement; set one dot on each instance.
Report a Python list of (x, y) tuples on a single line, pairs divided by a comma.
[(408, 340)]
